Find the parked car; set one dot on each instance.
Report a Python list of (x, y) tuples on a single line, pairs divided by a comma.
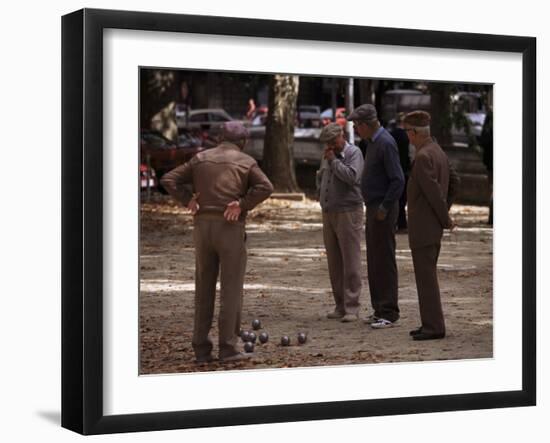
[(307, 148), (163, 154), (326, 117), (471, 104), (145, 177), (309, 116), (206, 119), (402, 100)]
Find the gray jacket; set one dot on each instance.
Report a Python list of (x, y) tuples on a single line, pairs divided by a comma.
[(339, 181)]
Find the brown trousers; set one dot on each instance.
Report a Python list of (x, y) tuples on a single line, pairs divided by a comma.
[(219, 248), (381, 263), (342, 236), (429, 298)]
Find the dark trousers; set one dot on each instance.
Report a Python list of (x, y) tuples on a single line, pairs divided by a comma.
[(381, 264), (219, 248), (402, 217), (429, 298)]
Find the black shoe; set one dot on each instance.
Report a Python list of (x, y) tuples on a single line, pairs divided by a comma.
[(427, 336), (415, 331)]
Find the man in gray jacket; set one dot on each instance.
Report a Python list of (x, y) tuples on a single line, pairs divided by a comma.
[(342, 206)]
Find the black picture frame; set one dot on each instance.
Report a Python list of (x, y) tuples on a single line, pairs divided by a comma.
[(82, 218)]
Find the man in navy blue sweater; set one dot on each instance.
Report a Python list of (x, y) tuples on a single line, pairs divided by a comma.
[(382, 183)]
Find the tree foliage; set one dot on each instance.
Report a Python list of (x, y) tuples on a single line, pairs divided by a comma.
[(158, 91)]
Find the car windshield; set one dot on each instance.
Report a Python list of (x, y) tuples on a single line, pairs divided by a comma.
[(309, 109), (154, 140), (219, 117), (201, 117)]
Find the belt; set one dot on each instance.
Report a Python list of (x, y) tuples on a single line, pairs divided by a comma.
[(216, 213), (211, 209)]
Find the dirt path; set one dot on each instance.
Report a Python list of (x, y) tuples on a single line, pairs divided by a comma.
[(287, 288)]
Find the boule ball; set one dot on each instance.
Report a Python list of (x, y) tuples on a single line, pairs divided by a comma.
[(256, 324), (264, 337)]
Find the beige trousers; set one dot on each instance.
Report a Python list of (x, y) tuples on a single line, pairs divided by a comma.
[(219, 249), (342, 232)]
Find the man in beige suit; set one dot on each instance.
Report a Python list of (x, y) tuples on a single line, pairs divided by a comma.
[(430, 191), (219, 186)]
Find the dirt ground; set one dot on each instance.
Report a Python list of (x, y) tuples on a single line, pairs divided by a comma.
[(287, 287)]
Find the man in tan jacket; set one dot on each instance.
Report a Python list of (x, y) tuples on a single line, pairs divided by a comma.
[(431, 188), (219, 186)]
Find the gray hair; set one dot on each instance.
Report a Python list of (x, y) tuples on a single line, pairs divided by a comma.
[(330, 132), (423, 130), (241, 143)]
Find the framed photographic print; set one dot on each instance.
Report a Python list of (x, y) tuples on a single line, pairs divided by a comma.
[(160, 92)]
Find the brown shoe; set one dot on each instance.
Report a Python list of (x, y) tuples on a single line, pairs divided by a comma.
[(239, 356), (335, 315), (348, 318)]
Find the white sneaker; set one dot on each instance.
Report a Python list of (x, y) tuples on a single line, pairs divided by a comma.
[(382, 323), (370, 319)]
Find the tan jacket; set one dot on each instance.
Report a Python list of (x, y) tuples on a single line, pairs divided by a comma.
[(430, 192), (219, 176)]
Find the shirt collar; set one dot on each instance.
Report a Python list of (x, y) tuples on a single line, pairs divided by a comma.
[(229, 145), (424, 143), (377, 133), (343, 154)]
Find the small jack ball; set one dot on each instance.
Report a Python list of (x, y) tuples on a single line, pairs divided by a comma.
[(249, 347), (285, 340), (302, 338), (263, 337), (251, 337), (245, 335), (256, 324)]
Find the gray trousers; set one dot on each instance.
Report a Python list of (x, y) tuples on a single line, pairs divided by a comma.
[(219, 249), (342, 236), (427, 286), (381, 263)]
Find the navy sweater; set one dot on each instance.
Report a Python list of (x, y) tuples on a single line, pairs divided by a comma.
[(382, 180)]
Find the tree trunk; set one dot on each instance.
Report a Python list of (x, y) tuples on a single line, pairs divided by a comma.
[(366, 91), (278, 159), (441, 113), (158, 90)]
